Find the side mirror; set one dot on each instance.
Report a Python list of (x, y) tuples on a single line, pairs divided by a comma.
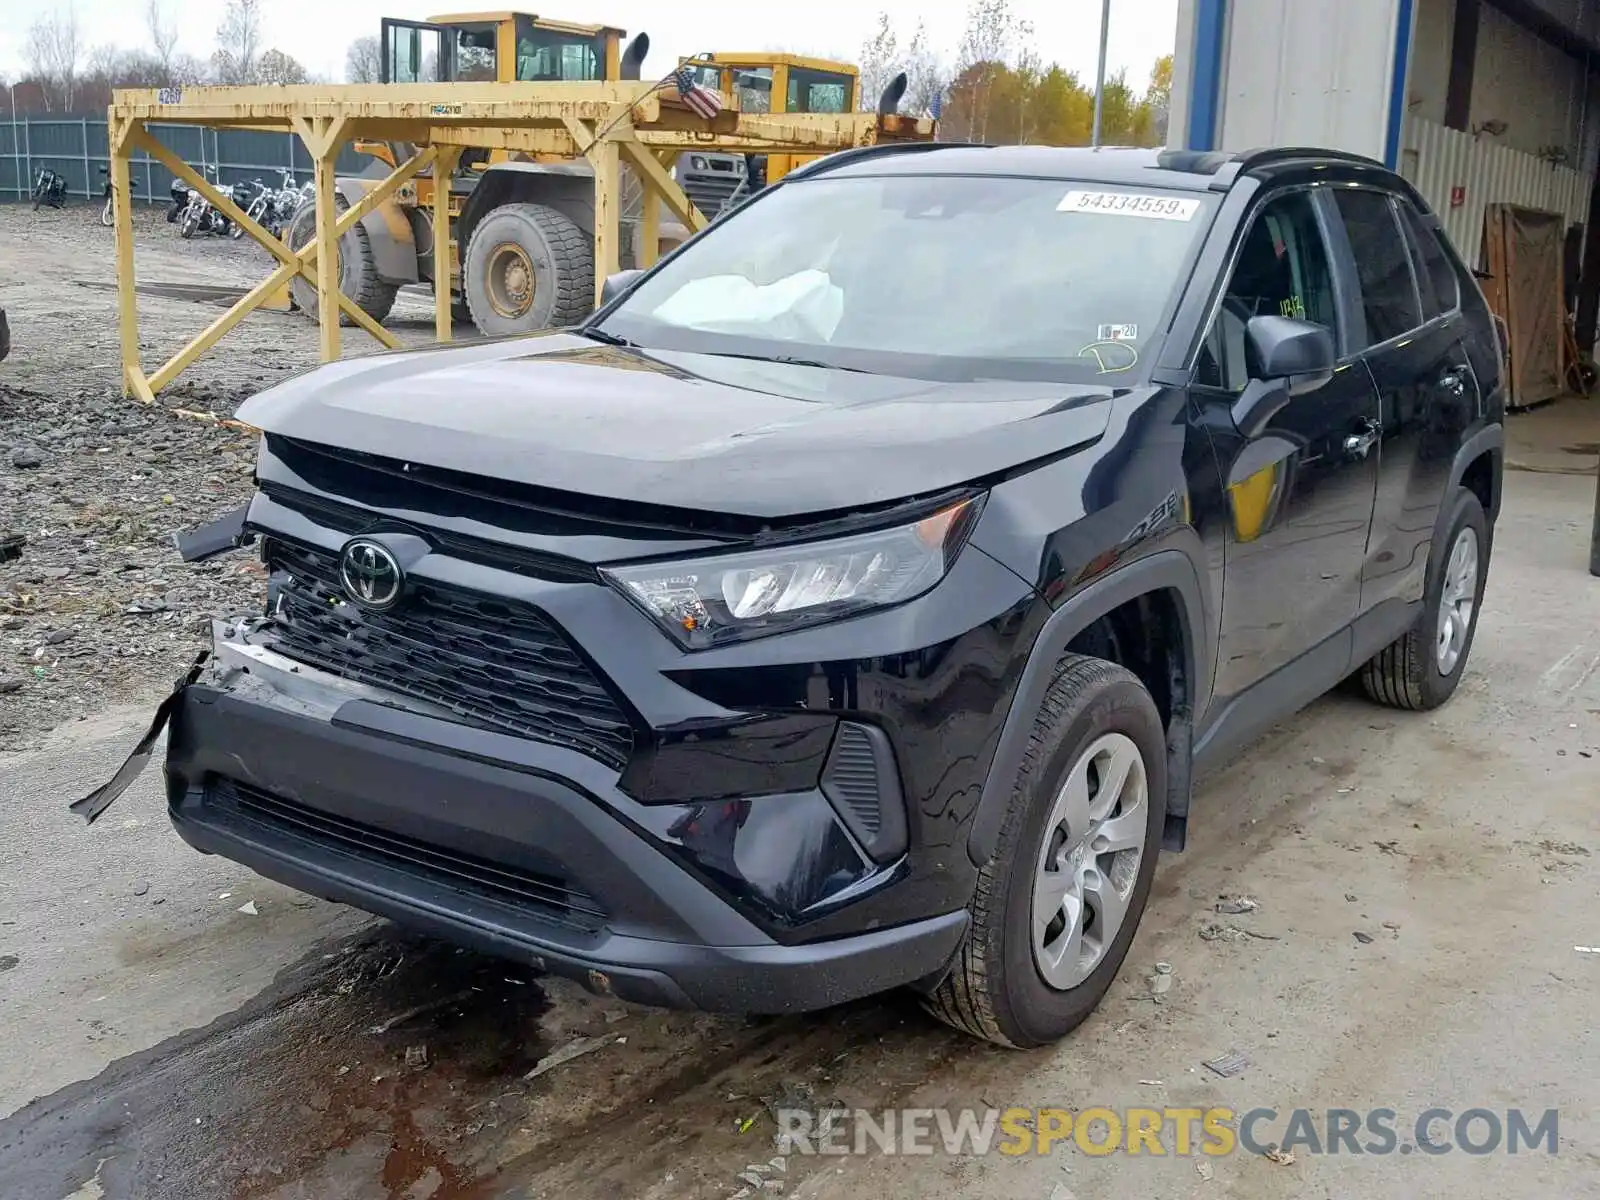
[(889, 100), (1289, 358), (616, 284), (633, 56)]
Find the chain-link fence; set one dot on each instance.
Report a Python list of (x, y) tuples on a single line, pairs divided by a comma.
[(76, 148)]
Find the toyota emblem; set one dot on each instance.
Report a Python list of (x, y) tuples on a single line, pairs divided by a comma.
[(370, 573)]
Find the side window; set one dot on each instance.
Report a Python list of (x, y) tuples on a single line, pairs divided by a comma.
[(1283, 271), (1436, 276), (1383, 264)]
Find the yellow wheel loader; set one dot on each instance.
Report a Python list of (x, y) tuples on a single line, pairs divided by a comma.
[(526, 222), (762, 83)]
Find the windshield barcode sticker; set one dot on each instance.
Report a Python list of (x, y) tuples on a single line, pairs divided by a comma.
[(1130, 204)]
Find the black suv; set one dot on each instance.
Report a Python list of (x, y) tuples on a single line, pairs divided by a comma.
[(851, 601)]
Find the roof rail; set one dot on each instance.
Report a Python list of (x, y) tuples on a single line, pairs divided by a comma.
[(1253, 160), (845, 158)]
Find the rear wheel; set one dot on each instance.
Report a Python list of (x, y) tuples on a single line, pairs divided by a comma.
[(1057, 905), (1421, 669), (528, 267), (358, 269)]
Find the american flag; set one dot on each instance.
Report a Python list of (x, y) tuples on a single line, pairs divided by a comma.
[(701, 100)]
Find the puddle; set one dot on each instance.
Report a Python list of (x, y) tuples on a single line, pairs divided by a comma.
[(306, 1092)]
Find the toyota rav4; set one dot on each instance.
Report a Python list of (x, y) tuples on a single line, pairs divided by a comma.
[(851, 602)]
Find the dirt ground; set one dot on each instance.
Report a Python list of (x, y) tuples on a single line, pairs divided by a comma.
[(99, 605), (179, 1028)]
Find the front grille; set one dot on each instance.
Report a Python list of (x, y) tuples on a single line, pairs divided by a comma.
[(554, 897), (709, 193), (492, 662)]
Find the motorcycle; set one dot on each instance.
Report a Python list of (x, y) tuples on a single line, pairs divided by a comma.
[(49, 188), (177, 200), (108, 211), (200, 216)]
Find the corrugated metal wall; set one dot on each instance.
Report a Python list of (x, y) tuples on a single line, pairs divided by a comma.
[(76, 148), (1438, 160)]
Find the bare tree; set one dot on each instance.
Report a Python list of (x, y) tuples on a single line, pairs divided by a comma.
[(277, 67), (991, 34), (363, 61), (880, 58), (163, 28), (54, 51), (238, 42), (925, 78)]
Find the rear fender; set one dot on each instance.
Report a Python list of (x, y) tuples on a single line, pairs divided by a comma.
[(394, 246)]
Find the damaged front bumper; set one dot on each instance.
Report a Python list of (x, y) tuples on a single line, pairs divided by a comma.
[(510, 846)]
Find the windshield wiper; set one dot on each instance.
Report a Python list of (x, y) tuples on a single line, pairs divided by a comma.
[(788, 361), (600, 335)]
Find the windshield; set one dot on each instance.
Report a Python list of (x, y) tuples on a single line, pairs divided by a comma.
[(548, 54), (818, 91), (935, 277)]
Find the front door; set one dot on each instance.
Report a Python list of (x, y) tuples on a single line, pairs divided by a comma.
[(1300, 495)]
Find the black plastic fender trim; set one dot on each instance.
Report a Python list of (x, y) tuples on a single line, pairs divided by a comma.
[(1162, 571)]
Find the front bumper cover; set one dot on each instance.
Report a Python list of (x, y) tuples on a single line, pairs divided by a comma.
[(351, 797)]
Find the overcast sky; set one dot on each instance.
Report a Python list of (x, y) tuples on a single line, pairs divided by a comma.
[(317, 31)]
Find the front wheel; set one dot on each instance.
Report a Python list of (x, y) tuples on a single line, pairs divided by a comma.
[(107, 216), (189, 224), (1057, 905), (1421, 669), (527, 267)]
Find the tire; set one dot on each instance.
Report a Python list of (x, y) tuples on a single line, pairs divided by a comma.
[(190, 223), (460, 313), (358, 270), (996, 989), (1412, 672), (562, 260), (173, 213)]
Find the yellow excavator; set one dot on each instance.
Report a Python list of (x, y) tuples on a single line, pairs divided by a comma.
[(526, 222)]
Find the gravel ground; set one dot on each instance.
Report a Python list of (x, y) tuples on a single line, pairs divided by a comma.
[(99, 608)]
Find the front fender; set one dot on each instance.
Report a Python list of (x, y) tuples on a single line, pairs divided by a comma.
[(388, 230), (1164, 570)]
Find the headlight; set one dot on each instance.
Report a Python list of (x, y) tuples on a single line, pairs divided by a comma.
[(734, 597)]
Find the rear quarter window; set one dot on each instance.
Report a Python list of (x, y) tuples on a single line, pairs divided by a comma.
[(1441, 289)]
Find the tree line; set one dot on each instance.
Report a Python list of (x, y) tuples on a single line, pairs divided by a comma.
[(996, 87), (64, 74)]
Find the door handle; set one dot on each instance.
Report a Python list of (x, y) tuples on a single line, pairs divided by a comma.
[(1356, 445)]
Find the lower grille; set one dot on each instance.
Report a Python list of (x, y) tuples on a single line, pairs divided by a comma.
[(495, 663), (554, 898)]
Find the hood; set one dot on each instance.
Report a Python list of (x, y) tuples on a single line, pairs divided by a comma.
[(690, 431)]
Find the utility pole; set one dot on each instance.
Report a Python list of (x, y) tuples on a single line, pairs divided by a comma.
[(1100, 70)]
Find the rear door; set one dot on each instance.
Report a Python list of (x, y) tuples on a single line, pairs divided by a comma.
[(1300, 494), (1410, 327)]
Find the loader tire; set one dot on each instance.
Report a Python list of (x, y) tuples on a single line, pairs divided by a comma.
[(528, 267), (358, 270)]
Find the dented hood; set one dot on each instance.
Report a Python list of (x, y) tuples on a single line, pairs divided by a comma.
[(694, 431)]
